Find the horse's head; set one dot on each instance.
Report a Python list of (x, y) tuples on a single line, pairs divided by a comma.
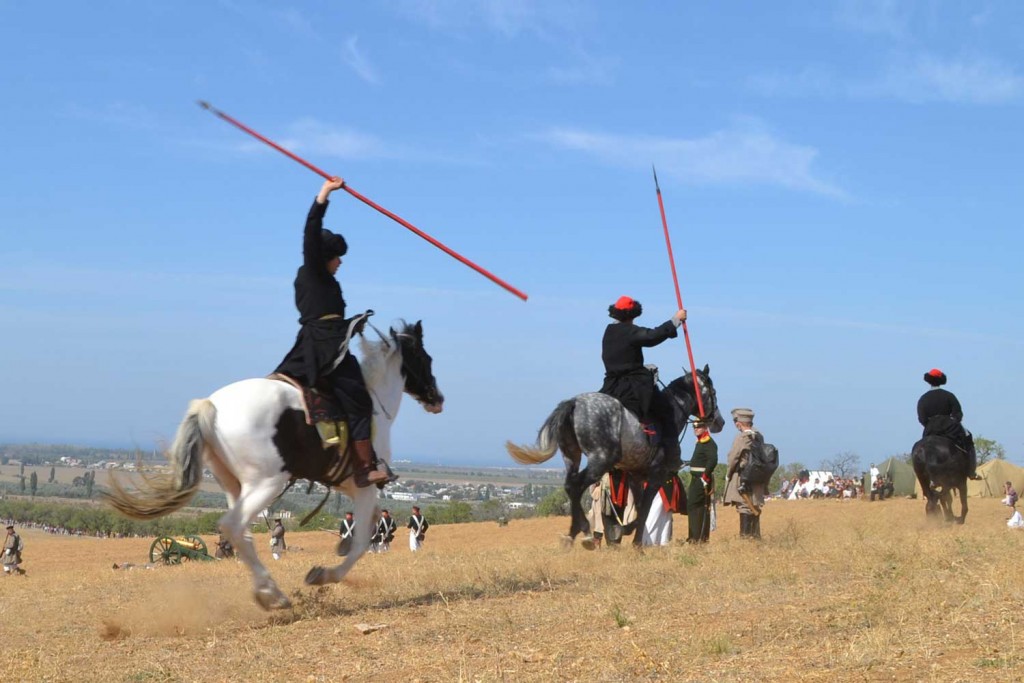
[(417, 367), (682, 391)]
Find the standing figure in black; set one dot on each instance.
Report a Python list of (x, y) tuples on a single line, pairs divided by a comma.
[(627, 379), (313, 361), (940, 414)]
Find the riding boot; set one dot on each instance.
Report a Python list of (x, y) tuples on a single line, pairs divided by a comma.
[(755, 526), (972, 458), (365, 474), (744, 525)]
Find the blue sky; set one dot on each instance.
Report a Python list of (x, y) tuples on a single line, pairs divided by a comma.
[(842, 182)]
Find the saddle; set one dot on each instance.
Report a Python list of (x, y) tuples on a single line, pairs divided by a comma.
[(335, 463), (321, 411)]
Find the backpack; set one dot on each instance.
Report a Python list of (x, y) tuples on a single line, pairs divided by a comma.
[(762, 462)]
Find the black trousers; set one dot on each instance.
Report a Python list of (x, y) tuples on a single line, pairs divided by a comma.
[(349, 390)]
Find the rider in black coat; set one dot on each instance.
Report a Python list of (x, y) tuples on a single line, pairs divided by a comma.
[(940, 414), (324, 328), (627, 379)]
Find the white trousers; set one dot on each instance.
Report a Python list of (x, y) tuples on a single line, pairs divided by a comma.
[(658, 527), (414, 542)]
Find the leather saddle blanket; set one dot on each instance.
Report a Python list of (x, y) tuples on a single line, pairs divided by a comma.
[(317, 406), (330, 464)]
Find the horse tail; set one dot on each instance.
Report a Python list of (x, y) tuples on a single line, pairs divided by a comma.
[(548, 437), (162, 494)]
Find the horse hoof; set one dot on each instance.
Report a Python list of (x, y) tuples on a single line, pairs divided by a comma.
[(588, 543), (567, 541), (316, 577), (271, 599)]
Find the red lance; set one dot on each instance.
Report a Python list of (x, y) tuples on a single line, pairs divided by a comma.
[(679, 297), (366, 200)]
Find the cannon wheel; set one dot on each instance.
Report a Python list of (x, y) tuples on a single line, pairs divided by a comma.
[(199, 542), (165, 550)]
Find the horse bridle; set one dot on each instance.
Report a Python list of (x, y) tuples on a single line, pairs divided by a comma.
[(387, 343)]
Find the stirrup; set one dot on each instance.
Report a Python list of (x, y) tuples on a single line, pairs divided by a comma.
[(330, 432)]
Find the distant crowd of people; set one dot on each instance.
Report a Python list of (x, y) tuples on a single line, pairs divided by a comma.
[(61, 530), (802, 486)]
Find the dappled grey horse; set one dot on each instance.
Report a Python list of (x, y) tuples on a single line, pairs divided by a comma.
[(612, 438), (941, 467)]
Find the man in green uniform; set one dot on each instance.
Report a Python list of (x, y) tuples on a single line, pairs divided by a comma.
[(702, 484)]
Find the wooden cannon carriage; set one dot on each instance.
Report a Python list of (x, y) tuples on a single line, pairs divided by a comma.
[(167, 550)]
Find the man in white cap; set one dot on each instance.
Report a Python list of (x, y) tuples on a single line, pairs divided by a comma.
[(746, 496)]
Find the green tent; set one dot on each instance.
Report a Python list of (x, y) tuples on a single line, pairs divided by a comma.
[(994, 474), (903, 478)]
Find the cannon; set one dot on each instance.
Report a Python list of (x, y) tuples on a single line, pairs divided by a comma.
[(167, 550)]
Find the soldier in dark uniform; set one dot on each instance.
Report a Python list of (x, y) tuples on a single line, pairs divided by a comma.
[(702, 484), (940, 414), (384, 534), (417, 527), (348, 527), (630, 382), (324, 328)]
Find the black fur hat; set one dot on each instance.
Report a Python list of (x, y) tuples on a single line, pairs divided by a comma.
[(334, 244), (625, 309), (935, 377)]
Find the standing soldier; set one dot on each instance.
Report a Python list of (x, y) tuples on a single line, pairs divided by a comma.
[(747, 497), (13, 545), (348, 526), (277, 544), (417, 527), (385, 533), (702, 484)]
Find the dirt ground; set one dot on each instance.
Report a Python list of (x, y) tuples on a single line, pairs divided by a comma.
[(835, 591)]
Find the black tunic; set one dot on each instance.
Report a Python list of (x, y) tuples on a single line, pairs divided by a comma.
[(626, 378), (940, 414), (705, 455), (317, 294)]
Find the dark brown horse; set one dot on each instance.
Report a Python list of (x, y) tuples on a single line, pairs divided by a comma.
[(941, 467)]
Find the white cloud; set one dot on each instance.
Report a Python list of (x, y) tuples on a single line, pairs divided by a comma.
[(931, 79), (357, 61), (119, 114), (298, 23), (586, 70), (745, 154), (509, 18), (982, 18), (812, 80), (336, 141), (918, 79), (884, 17)]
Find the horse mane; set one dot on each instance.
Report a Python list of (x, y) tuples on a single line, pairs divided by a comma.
[(375, 354)]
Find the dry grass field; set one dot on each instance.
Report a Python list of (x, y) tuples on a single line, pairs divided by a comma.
[(836, 591)]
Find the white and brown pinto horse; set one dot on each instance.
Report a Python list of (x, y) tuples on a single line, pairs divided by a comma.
[(254, 437)]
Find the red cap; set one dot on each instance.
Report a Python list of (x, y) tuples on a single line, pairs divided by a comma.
[(624, 303), (935, 372)]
